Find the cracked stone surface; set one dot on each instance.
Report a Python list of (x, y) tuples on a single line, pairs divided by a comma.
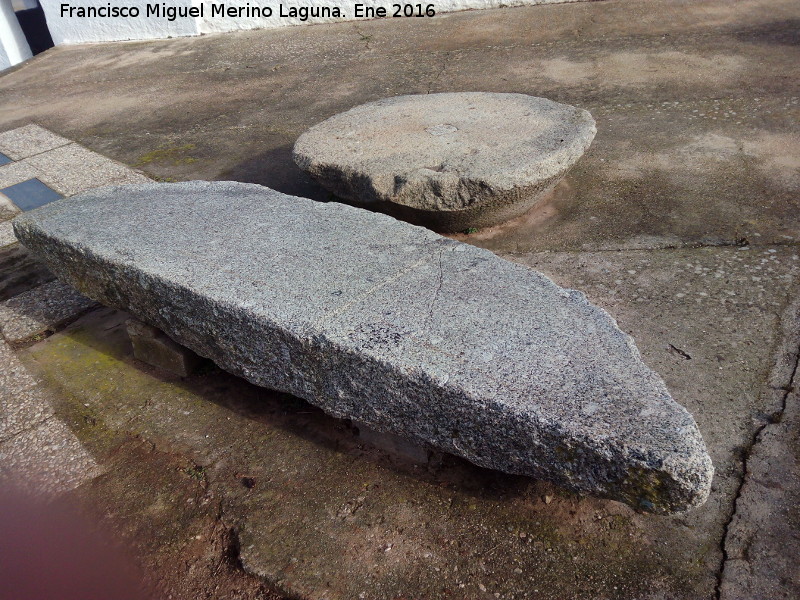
[(388, 324), (450, 161)]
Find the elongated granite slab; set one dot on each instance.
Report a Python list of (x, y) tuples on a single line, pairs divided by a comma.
[(386, 323)]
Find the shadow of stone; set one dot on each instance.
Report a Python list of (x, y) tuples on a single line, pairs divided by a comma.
[(275, 169), (104, 331), (779, 33), (20, 271)]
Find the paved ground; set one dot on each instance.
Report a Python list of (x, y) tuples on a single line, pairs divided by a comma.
[(681, 220)]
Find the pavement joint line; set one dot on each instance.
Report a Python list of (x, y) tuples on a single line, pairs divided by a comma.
[(29, 428), (440, 72), (688, 246), (45, 151), (790, 327)]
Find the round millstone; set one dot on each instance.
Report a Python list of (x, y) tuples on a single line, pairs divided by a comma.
[(449, 161)]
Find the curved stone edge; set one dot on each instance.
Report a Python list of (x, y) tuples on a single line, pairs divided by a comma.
[(648, 483), (498, 205), (458, 221)]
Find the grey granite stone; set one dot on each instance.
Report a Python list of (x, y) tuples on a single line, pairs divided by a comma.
[(451, 161), (388, 324), (41, 310), (16, 172), (156, 348)]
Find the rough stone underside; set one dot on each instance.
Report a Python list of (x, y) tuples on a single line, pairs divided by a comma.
[(386, 323)]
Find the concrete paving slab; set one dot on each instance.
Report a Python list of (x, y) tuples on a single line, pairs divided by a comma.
[(29, 140), (22, 411), (72, 169), (41, 311), (38, 453), (14, 378), (46, 460), (718, 156), (15, 172), (324, 518), (4, 160), (762, 542), (7, 236), (23, 405)]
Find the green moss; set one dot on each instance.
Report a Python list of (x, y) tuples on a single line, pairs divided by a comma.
[(175, 155), (196, 472), (644, 488)]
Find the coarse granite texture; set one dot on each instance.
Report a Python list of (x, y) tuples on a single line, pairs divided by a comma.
[(388, 324), (453, 160), (154, 347), (7, 236), (72, 169), (41, 310)]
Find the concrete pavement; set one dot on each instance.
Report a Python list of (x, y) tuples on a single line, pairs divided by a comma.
[(681, 220)]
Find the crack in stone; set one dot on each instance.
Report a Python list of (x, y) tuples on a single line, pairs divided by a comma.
[(439, 73), (344, 307), (687, 246), (438, 287), (363, 37), (773, 419)]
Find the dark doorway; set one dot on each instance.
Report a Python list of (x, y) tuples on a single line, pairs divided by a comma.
[(34, 26)]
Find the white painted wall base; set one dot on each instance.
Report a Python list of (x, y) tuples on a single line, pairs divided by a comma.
[(67, 29), (13, 45)]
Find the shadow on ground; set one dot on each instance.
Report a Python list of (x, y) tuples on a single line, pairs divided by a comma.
[(297, 488), (275, 169)]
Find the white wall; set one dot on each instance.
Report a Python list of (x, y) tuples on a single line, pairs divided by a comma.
[(76, 30), (208, 25), (13, 45), (66, 30), (24, 4)]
